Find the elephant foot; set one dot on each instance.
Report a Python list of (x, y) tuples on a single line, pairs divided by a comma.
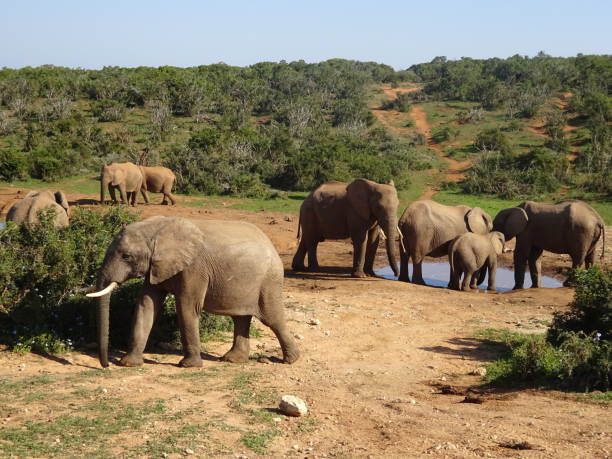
[(299, 269), (370, 273), (236, 356), (358, 274), (194, 361), (492, 289), (291, 355), (131, 361), (517, 287), (419, 282)]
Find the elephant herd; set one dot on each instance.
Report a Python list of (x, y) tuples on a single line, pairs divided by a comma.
[(128, 178), (232, 268), (362, 210)]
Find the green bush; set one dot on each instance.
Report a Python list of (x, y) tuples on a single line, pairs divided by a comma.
[(13, 164), (401, 103), (576, 352), (591, 310), (444, 133), (493, 139), (108, 110)]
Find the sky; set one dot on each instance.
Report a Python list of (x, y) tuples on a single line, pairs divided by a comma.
[(130, 33)]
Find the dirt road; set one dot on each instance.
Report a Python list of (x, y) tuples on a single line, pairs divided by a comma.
[(384, 372)]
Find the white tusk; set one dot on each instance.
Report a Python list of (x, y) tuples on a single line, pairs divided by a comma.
[(108, 289), (508, 250), (401, 238), (382, 233)]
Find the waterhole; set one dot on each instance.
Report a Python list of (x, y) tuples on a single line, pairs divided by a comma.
[(438, 274)]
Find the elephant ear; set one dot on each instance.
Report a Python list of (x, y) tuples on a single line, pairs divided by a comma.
[(511, 222), (497, 240), (61, 199), (478, 221), (359, 193), (175, 246)]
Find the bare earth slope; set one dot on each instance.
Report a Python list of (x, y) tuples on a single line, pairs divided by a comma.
[(385, 372)]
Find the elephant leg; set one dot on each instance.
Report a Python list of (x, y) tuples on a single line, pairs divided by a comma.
[(149, 304), (145, 196), (123, 193), (313, 263), (239, 353), (273, 316), (371, 248), (404, 277), (188, 314), (111, 192), (467, 280), (298, 259), (521, 253), (168, 195), (535, 266), (417, 270), (474, 281), (491, 266), (588, 260), (359, 240)]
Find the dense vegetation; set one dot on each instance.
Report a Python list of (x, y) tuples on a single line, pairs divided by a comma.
[(43, 271), (521, 88), (575, 354), (222, 129)]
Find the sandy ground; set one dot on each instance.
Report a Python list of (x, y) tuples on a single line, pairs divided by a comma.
[(385, 372)]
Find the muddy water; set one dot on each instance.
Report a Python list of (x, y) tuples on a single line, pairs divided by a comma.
[(438, 274), (2, 225)]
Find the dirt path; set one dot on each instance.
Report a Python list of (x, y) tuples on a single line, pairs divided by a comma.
[(455, 170), (385, 372)]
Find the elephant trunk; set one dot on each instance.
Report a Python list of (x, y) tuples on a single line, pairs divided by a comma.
[(104, 181), (389, 227), (103, 326)]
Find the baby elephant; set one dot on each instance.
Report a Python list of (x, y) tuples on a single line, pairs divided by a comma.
[(472, 254)]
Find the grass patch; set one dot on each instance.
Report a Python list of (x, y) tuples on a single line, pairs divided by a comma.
[(258, 441)]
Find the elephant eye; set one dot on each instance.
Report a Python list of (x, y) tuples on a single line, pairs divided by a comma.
[(125, 256)]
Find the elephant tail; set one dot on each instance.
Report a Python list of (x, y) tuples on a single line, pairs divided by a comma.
[(299, 227), (603, 245)]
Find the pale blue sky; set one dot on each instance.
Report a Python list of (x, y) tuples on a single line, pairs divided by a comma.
[(129, 33)]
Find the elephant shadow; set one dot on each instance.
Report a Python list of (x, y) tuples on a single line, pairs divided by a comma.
[(83, 202), (476, 349), (328, 273)]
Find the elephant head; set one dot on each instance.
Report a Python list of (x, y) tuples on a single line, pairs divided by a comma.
[(158, 248), (478, 221), (511, 221), (378, 202), (60, 198), (497, 241)]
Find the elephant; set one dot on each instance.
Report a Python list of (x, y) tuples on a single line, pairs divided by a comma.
[(359, 210), (222, 267), (428, 228), (158, 180), (127, 177), (26, 210), (472, 255), (571, 227)]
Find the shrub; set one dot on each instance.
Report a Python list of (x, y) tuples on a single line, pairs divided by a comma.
[(591, 310), (401, 103), (576, 352), (493, 139), (108, 110), (13, 164), (444, 133)]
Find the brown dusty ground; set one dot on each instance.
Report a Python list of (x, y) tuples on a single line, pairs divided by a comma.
[(385, 373)]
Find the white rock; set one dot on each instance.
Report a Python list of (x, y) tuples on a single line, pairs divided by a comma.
[(299, 336), (103, 390), (314, 322), (296, 447), (293, 406), (480, 371), (189, 451)]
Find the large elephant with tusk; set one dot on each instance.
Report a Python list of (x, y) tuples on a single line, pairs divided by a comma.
[(222, 267), (359, 210)]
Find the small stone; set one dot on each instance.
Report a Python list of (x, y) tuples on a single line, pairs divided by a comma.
[(164, 455), (443, 378), (57, 440), (297, 336), (104, 390), (277, 419), (292, 406), (480, 371), (314, 322), (22, 366), (189, 451), (296, 447), (326, 332)]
